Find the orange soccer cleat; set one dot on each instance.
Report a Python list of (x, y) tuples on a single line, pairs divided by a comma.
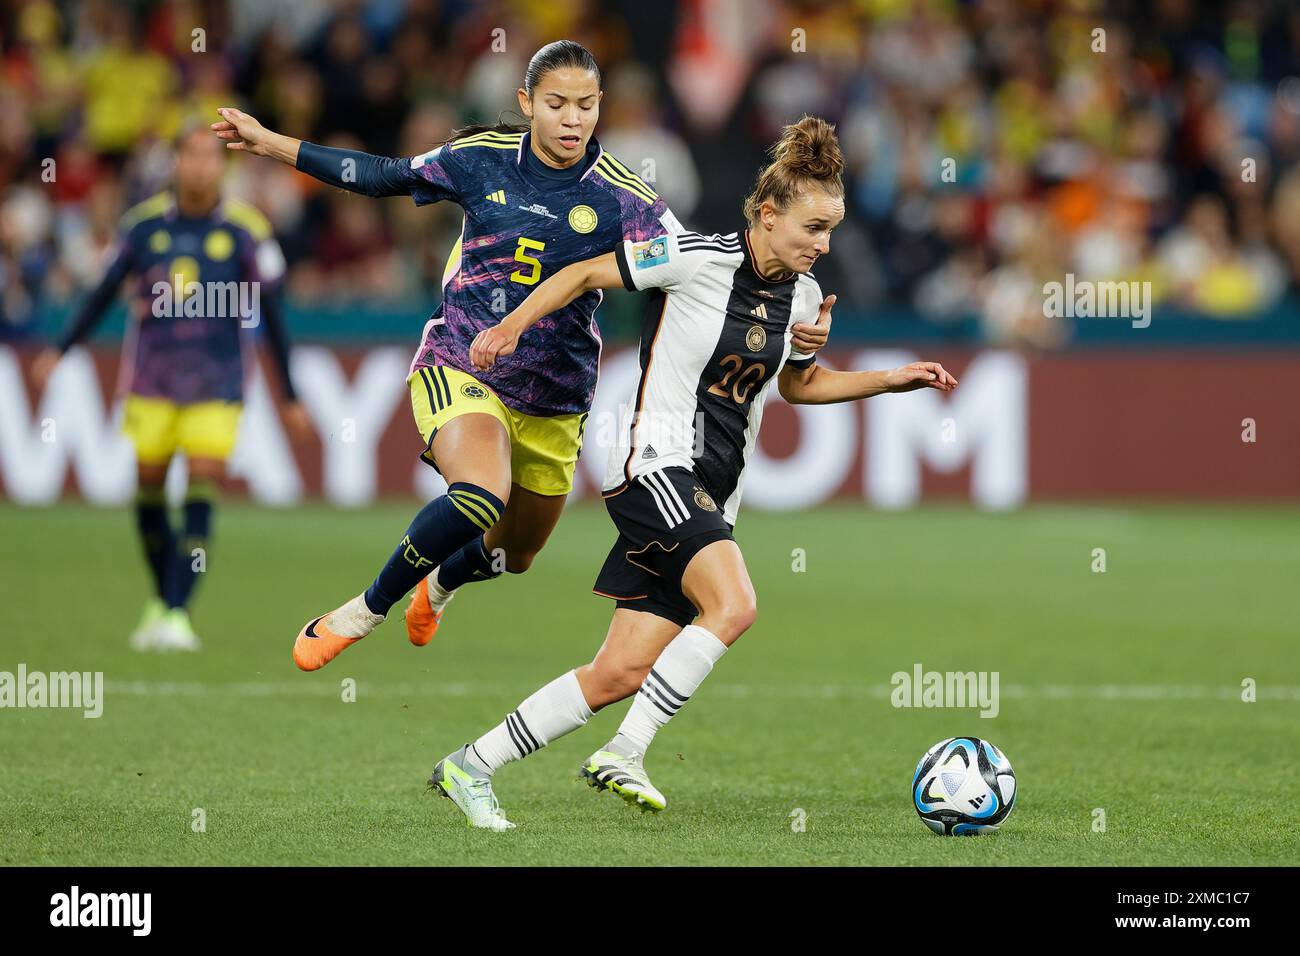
[(421, 619), (317, 645)]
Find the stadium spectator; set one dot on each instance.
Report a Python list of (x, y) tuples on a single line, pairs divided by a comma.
[(968, 129)]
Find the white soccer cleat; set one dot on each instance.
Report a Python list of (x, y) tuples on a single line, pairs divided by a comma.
[(473, 794), (605, 770), (175, 633), (145, 634)]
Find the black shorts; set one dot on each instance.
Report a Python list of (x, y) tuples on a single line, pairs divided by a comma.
[(663, 518)]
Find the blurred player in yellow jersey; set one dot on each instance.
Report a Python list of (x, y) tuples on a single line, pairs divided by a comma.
[(206, 272)]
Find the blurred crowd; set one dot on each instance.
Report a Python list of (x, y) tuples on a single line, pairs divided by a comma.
[(992, 146)]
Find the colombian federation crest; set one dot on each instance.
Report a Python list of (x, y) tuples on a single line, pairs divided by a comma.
[(473, 390), (582, 219)]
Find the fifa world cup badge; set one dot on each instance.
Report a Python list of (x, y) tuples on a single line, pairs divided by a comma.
[(652, 253)]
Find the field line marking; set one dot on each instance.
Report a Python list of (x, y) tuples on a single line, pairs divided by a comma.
[(314, 688)]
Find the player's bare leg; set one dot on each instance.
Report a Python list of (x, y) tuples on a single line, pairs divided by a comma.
[(510, 545), (560, 707), (634, 641), (473, 454), (644, 655), (717, 583)]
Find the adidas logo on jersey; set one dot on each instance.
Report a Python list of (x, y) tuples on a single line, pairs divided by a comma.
[(499, 196), (649, 452), (760, 310)]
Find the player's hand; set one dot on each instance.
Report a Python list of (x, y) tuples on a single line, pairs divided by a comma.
[(242, 132), (43, 367), (908, 378), (298, 422), (492, 344), (807, 338)]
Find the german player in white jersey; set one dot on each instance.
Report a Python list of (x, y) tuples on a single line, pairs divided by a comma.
[(717, 337)]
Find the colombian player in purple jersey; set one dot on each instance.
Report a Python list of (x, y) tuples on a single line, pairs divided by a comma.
[(183, 362), (681, 584), (535, 198)]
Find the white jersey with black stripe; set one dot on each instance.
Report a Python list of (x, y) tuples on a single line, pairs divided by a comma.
[(715, 337)]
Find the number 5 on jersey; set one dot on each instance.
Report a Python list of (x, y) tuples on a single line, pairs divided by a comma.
[(521, 255)]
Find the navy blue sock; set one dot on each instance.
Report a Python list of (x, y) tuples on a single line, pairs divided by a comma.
[(155, 534), (186, 564), (470, 563), (442, 528)]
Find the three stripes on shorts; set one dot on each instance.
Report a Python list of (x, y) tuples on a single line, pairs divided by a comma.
[(437, 387), (666, 498)]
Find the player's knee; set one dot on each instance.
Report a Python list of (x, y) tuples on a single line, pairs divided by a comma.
[(736, 616), (151, 476), (517, 562), (500, 489), (207, 469)]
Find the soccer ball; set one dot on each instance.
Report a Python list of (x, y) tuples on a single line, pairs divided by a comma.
[(963, 786)]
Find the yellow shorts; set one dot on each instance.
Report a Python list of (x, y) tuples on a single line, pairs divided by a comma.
[(543, 448), (158, 427)]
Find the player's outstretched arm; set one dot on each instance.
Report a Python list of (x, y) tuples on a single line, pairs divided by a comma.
[(88, 316), (556, 292), (822, 386), (348, 169), (244, 134)]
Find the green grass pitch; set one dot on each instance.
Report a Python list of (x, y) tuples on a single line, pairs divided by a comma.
[(1120, 691)]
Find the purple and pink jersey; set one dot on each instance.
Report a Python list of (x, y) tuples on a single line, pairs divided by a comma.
[(520, 228), (198, 285)]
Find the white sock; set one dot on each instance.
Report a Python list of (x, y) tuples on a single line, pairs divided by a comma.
[(438, 598), (673, 678), (549, 714), (354, 619)]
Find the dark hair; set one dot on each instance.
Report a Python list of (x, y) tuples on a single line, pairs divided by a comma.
[(556, 56), (807, 152), (553, 56)]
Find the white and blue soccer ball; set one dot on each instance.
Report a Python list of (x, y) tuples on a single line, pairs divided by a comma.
[(963, 786)]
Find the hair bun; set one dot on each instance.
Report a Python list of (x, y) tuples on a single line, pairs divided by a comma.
[(810, 148), (807, 154)]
